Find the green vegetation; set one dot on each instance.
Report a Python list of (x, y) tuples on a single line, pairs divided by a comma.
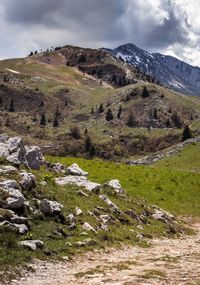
[(174, 190)]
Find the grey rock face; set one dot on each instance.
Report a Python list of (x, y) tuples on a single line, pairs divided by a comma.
[(115, 185), (7, 169), (34, 157), (80, 181), (28, 180), (87, 227), (14, 151), (21, 228), (74, 169), (15, 199), (50, 207), (32, 244), (109, 203)]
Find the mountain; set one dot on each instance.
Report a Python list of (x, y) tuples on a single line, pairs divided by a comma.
[(56, 99), (169, 71)]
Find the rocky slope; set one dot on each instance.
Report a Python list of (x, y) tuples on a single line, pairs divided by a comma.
[(79, 214), (169, 71)]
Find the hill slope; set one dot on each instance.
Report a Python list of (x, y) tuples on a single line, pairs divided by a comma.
[(150, 119)]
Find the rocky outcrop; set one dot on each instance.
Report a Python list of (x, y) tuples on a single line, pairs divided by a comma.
[(31, 244), (80, 181), (14, 151), (74, 169), (115, 185), (28, 181), (50, 207)]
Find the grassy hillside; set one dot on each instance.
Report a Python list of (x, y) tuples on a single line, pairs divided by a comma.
[(45, 84)]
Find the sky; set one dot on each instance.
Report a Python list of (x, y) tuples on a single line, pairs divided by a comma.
[(166, 26)]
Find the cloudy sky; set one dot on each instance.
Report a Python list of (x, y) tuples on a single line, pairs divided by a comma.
[(168, 26)]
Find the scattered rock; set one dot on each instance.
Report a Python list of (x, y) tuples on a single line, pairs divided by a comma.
[(86, 242), (18, 220), (50, 207), (15, 199), (58, 167), (74, 169), (109, 203), (32, 244), (14, 151), (78, 211), (80, 181), (115, 185), (28, 181), (87, 227), (7, 169), (81, 193), (162, 216), (21, 228), (9, 184), (34, 157)]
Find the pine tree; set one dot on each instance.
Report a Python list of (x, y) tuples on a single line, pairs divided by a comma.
[(101, 109), (109, 115), (92, 151), (168, 124), (145, 92), (43, 121), (11, 107), (55, 122), (88, 143), (186, 133), (131, 120), (119, 112), (176, 119), (155, 114)]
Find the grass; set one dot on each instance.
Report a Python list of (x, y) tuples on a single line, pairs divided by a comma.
[(149, 274), (174, 190)]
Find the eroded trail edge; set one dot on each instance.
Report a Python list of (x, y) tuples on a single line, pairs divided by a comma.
[(167, 261)]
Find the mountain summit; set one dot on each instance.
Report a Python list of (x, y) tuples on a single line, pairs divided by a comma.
[(169, 71)]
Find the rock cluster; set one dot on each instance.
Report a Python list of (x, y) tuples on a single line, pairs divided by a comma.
[(14, 151), (15, 204)]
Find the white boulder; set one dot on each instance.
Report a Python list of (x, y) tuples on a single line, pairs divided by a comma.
[(80, 181), (50, 207), (115, 185), (28, 180), (74, 169), (32, 244)]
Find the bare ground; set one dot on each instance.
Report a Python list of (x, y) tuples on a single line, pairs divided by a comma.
[(167, 261)]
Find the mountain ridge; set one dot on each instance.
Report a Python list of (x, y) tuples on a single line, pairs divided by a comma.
[(168, 70)]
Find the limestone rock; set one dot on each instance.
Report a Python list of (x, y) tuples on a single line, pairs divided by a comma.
[(32, 244), (58, 167), (15, 199), (74, 169), (87, 227), (7, 169), (21, 228), (18, 220), (81, 193), (78, 211), (115, 185), (162, 216), (9, 184), (109, 203), (34, 157), (50, 207), (28, 181), (80, 181)]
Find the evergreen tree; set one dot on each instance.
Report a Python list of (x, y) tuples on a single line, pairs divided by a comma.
[(168, 124), (186, 133), (1, 101), (145, 92), (176, 119), (55, 122), (92, 111), (119, 112), (43, 121), (88, 143), (11, 107), (92, 151), (131, 120), (101, 109), (75, 132), (109, 115), (57, 113), (155, 114)]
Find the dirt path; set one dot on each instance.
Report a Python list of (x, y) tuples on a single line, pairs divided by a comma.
[(174, 262)]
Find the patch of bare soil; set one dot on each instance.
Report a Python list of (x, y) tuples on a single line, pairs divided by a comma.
[(167, 261)]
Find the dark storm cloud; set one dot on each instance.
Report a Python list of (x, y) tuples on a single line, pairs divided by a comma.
[(151, 24)]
